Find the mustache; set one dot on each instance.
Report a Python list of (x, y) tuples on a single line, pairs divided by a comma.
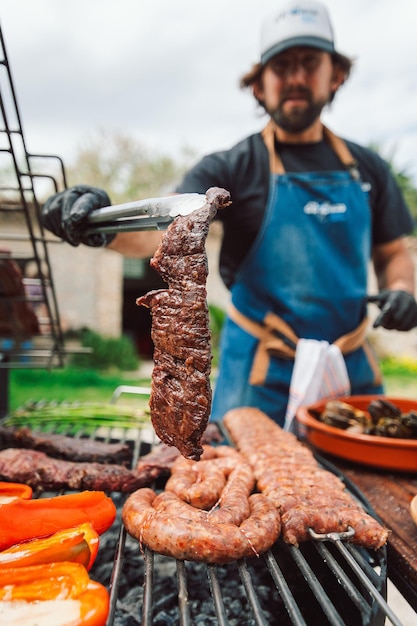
[(298, 92)]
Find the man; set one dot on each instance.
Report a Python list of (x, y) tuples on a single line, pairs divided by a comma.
[(309, 211)]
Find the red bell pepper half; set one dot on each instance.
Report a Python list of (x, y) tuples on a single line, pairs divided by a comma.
[(15, 490), (21, 520), (61, 594), (79, 544)]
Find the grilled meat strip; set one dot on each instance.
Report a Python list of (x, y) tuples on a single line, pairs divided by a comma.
[(160, 460), (180, 400), (306, 495), (63, 447), (40, 471)]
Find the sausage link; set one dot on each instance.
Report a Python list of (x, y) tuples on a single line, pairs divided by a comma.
[(206, 512), (306, 495), (201, 487), (297, 520), (176, 532), (222, 477)]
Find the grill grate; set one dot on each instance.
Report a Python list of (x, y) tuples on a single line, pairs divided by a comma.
[(322, 582), (306, 586)]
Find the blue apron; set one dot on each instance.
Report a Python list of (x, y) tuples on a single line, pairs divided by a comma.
[(308, 265)]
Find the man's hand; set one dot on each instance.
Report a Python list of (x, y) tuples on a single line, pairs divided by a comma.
[(398, 309), (66, 215)]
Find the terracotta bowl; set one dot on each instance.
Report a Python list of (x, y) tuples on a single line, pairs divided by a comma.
[(381, 452)]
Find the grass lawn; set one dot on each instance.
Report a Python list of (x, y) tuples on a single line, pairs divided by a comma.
[(69, 385), (79, 385), (401, 387)]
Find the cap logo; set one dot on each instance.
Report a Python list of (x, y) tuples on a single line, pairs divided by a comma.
[(307, 15)]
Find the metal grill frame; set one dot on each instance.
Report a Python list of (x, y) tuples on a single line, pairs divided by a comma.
[(359, 573), (362, 578)]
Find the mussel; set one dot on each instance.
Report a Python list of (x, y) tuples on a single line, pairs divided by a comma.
[(342, 415), (403, 426), (382, 408), (383, 418), (410, 421)]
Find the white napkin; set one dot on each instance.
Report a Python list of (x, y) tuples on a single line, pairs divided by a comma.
[(319, 372)]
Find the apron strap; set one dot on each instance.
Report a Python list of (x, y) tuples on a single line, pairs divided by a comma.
[(337, 144), (277, 338), (275, 164)]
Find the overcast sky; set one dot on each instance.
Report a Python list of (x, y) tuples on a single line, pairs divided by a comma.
[(166, 72)]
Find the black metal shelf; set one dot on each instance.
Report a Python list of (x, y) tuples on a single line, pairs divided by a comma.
[(24, 246)]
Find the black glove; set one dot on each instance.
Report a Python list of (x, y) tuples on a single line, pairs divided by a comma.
[(398, 309), (66, 213)]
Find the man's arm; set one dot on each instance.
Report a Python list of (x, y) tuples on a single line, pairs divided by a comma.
[(137, 244), (394, 269)]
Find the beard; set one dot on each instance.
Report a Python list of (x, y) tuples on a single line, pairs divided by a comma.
[(299, 118)]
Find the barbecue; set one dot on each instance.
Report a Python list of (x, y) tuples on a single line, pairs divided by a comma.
[(308, 497), (38, 470), (326, 580)]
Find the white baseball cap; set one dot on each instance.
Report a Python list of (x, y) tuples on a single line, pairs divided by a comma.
[(303, 23)]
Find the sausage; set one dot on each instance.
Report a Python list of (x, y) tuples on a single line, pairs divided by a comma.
[(206, 512), (297, 520), (286, 499), (174, 528), (306, 495), (201, 487), (222, 477)]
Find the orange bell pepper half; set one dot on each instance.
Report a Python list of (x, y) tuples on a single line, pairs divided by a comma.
[(21, 520), (15, 490), (79, 544), (59, 593)]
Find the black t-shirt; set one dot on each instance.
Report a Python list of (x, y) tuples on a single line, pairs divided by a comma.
[(244, 171)]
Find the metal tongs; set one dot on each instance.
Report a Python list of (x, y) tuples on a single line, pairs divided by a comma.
[(149, 214)]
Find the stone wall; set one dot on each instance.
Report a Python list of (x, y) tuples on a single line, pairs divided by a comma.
[(88, 284)]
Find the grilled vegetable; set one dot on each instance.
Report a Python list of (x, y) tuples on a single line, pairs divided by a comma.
[(61, 594), (87, 415), (403, 426), (78, 544), (21, 520), (15, 490)]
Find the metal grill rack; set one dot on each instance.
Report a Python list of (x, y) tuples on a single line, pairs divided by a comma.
[(23, 244), (325, 582)]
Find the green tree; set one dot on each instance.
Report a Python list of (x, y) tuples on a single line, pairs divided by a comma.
[(409, 190), (404, 180), (125, 168)]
